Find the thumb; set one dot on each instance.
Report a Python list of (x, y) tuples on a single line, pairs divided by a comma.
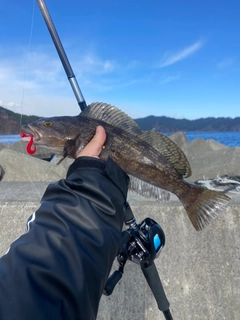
[(94, 147)]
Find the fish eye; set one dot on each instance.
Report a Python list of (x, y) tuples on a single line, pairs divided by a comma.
[(47, 123)]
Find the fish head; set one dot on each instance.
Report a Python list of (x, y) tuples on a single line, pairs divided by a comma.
[(52, 133)]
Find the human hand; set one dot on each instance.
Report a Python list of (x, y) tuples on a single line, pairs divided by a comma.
[(94, 147)]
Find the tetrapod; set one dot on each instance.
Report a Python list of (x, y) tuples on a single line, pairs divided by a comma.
[(141, 243)]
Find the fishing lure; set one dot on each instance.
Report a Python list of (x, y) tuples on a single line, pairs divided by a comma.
[(30, 143)]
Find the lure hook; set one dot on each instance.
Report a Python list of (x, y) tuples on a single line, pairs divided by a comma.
[(30, 143)]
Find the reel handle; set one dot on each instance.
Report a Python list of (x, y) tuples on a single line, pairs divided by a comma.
[(111, 282)]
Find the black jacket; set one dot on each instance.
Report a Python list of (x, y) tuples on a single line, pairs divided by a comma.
[(58, 268)]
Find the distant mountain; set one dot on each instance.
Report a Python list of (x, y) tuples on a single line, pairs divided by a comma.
[(165, 124), (10, 123)]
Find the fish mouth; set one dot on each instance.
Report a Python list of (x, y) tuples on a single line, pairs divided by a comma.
[(27, 131), (38, 137)]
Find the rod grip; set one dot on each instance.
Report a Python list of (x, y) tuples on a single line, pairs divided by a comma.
[(154, 282)]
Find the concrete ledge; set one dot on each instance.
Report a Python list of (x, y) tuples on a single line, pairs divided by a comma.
[(199, 270)]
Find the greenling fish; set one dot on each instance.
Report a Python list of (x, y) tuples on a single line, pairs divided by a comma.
[(149, 156)]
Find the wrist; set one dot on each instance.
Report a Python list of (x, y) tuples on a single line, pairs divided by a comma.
[(86, 162)]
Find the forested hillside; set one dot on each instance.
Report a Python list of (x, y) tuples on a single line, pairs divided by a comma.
[(10, 123), (165, 124)]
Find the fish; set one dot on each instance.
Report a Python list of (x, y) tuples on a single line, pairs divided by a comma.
[(148, 156)]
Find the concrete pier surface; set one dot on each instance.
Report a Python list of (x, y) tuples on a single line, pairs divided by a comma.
[(200, 271)]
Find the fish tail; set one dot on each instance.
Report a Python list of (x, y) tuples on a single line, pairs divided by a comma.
[(203, 205)]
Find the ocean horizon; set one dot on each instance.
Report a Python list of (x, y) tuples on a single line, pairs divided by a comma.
[(230, 139)]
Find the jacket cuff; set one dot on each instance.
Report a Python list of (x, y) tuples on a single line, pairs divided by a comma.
[(109, 167), (86, 162)]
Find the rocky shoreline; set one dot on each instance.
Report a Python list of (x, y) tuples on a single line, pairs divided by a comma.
[(208, 159)]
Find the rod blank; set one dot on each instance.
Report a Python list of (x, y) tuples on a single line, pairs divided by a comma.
[(62, 54)]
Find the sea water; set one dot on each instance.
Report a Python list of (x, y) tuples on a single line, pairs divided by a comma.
[(230, 139), (9, 138)]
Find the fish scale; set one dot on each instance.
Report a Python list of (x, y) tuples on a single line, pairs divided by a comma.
[(150, 157)]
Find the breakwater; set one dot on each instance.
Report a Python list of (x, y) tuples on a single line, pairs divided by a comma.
[(199, 270)]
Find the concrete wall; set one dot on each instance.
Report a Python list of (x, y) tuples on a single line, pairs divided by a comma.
[(199, 270)]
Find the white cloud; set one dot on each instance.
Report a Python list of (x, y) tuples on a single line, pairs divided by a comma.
[(170, 59), (170, 79), (37, 84), (38, 68), (225, 63), (92, 64), (22, 83)]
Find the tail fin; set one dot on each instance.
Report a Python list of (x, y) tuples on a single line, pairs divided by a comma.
[(203, 205)]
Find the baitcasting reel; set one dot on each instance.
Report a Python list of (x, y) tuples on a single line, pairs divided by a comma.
[(141, 244)]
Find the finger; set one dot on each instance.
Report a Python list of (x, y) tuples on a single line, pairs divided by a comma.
[(94, 147)]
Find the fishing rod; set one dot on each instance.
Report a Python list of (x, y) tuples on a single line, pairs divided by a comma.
[(62, 55)]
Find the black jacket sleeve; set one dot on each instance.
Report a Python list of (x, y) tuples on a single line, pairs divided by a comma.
[(58, 268)]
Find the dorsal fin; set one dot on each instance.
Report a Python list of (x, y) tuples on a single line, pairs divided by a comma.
[(169, 150), (111, 115)]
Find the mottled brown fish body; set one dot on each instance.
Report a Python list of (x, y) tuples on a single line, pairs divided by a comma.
[(143, 162), (133, 155), (139, 159), (148, 156)]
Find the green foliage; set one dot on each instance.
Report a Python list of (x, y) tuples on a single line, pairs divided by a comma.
[(165, 124), (17, 116), (10, 122)]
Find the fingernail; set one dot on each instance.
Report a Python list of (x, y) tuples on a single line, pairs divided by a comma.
[(98, 130)]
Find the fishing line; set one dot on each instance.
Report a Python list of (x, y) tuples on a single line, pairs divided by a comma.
[(23, 89), (26, 60)]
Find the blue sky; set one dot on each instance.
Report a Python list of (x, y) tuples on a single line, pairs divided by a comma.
[(175, 58)]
